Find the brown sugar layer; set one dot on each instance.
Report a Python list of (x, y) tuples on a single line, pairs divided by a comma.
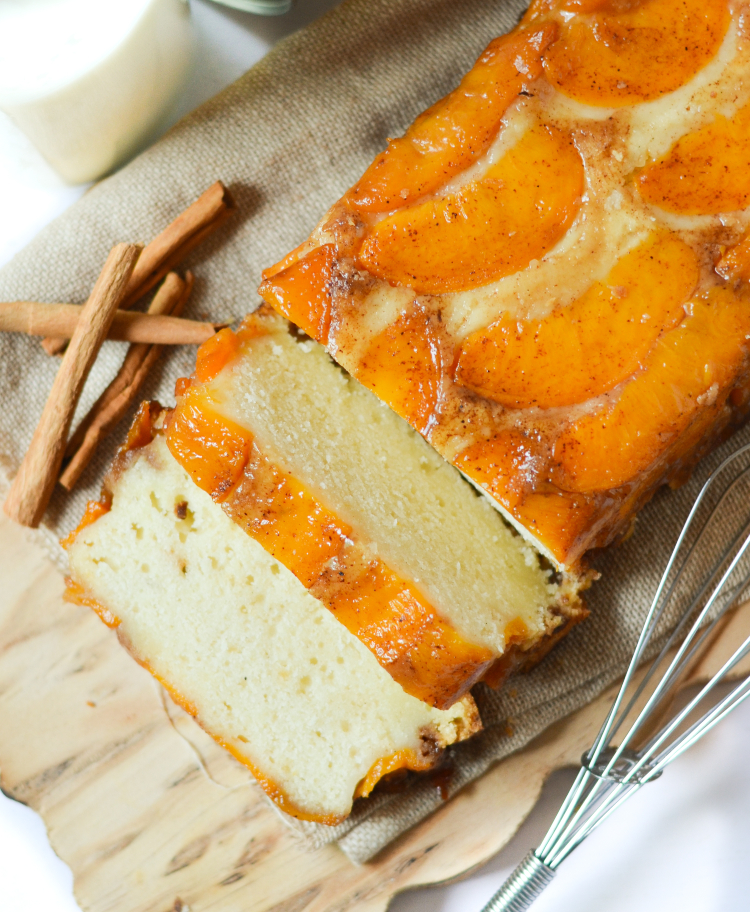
[(363, 512), (240, 643), (556, 298)]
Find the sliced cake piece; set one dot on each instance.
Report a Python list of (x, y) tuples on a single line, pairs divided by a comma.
[(364, 513), (242, 646), (527, 274)]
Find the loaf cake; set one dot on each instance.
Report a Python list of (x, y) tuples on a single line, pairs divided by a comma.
[(546, 275), (368, 517), (240, 643)]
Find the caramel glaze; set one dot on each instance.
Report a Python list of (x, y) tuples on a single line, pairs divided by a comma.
[(572, 421), (426, 757), (420, 649)]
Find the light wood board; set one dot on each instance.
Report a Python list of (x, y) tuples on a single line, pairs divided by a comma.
[(150, 815)]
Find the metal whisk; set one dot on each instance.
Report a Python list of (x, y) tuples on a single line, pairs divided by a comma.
[(643, 731)]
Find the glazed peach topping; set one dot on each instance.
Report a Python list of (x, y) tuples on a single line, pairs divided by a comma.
[(570, 418)]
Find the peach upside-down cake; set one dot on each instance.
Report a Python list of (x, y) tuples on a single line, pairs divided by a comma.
[(547, 274), (547, 277), (281, 537)]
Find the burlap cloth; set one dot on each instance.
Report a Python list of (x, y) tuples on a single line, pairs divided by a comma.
[(288, 138)]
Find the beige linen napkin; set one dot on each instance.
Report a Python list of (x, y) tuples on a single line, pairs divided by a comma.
[(288, 138)]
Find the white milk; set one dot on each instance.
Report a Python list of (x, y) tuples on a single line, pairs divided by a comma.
[(87, 80)]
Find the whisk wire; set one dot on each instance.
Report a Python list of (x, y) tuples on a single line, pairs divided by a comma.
[(695, 649), (677, 662), (610, 773), (695, 731), (708, 723), (672, 639), (736, 658), (616, 792)]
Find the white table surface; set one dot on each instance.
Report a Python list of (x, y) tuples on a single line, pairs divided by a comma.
[(683, 843)]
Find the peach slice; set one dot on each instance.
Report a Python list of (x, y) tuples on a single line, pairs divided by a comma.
[(215, 354), (95, 509), (490, 228), (560, 520), (282, 515), (212, 449), (301, 291), (734, 265), (454, 131), (601, 338), (505, 465), (272, 506), (613, 53), (691, 368), (402, 366), (508, 466), (424, 653), (705, 172)]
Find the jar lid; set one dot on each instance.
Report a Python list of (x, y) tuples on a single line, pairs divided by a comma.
[(262, 7)]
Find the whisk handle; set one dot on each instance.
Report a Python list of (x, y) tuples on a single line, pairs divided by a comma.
[(522, 887)]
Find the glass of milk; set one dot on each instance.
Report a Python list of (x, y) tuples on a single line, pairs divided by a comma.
[(88, 80)]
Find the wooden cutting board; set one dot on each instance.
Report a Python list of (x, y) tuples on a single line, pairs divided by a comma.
[(152, 816)]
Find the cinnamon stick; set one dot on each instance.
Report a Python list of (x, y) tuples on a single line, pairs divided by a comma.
[(32, 487), (117, 398), (163, 303), (61, 320), (177, 239), (167, 249)]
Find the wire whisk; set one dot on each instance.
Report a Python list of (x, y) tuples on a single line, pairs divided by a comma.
[(648, 727)]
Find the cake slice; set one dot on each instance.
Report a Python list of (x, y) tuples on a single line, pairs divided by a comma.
[(240, 643), (528, 274), (364, 513)]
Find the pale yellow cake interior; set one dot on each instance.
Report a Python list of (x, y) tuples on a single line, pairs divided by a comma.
[(372, 470), (268, 669)]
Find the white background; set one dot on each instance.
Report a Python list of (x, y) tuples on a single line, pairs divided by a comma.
[(683, 843)]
